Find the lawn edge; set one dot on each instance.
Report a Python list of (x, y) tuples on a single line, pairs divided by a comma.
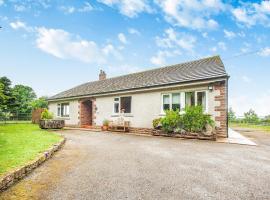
[(19, 173)]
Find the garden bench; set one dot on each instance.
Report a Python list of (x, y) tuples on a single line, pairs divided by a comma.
[(119, 126)]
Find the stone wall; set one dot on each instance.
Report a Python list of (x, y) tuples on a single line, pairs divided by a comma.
[(221, 108), (146, 131)]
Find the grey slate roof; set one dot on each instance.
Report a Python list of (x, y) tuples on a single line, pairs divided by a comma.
[(203, 69)]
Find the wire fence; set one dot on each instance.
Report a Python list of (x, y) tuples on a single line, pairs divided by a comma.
[(15, 117), (259, 122)]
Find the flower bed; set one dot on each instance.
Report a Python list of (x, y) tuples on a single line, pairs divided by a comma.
[(194, 123)]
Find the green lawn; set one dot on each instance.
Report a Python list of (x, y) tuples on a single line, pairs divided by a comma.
[(20, 143), (251, 126)]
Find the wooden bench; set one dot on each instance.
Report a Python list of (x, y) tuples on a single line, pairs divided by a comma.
[(119, 126)]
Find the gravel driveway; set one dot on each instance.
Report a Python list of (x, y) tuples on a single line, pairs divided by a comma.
[(117, 166)]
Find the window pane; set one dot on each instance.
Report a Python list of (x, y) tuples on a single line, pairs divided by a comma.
[(201, 99), (166, 102), (190, 98), (126, 104), (58, 109), (116, 99), (176, 107), (64, 109), (176, 101), (116, 107), (176, 98)]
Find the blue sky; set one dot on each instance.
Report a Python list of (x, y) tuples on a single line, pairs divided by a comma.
[(55, 45)]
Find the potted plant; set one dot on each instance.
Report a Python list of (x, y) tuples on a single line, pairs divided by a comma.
[(105, 125)]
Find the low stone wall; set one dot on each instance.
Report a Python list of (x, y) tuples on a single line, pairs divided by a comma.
[(52, 124), (9, 179), (199, 136), (146, 131)]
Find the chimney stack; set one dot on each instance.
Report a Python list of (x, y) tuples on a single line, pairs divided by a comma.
[(102, 75)]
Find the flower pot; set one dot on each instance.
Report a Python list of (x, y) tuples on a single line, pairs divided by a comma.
[(104, 128)]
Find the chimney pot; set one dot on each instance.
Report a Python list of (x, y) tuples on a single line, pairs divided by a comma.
[(102, 75)]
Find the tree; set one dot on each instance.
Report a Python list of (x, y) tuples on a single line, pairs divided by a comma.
[(23, 96), (231, 115), (6, 98), (40, 103), (251, 117)]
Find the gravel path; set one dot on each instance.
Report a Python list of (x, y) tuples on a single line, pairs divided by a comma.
[(117, 166)]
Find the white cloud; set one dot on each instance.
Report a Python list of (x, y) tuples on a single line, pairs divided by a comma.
[(20, 25), (193, 14), (110, 50), (130, 8), (265, 52), (213, 49), (134, 31), (229, 34), (2, 2), (122, 38), (86, 8), (19, 8), (68, 9), (205, 35), (62, 44), (251, 14), (161, 56), (222, 46), (172, 39)]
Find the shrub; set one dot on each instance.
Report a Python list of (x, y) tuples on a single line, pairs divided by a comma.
[(156, 123), (105, 122), (46, 114), (171, 121), (194, 120)]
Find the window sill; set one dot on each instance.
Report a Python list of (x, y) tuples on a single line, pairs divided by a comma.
[(65, 118), (125, 115)]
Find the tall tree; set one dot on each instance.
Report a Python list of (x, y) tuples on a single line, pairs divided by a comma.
[(231, 115), (23, 96), (6, 98), (251, 117), (40, 103)]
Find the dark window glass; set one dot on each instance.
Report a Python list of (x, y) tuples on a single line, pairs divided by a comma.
[(201, 99), (176, 101), (190, 98), (126, 104), (59, 110), (166, 102)]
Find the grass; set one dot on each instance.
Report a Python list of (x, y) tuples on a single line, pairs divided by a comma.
[(16, 122), (20, 143), (251, 126)]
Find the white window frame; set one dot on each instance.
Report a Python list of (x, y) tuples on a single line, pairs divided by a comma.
[(183, 100), (59, 105), (119, 101), (206, 99), (170, 96)]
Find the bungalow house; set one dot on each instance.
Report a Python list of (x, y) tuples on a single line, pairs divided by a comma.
[(145, 95)]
